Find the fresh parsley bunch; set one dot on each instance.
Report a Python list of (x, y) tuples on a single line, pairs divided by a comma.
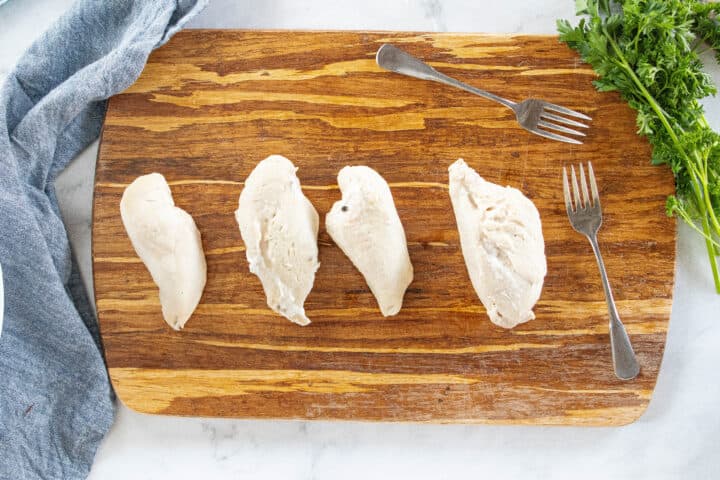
[(648, 50)]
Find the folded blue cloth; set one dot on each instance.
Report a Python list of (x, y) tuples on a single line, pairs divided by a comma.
[(55, 399)]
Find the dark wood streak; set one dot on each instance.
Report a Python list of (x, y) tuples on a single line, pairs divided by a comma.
[(211, 104)]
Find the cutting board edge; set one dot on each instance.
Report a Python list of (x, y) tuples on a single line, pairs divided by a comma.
[(409, 33), (568, 421), (93, 236)]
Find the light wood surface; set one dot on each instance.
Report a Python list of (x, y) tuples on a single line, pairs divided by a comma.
[(211, 104)]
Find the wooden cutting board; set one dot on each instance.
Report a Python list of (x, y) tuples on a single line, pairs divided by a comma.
[(211, 104)]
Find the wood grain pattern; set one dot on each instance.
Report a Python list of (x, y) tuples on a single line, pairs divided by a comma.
[(211, 104)]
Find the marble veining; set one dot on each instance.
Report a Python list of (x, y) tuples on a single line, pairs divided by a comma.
[(434, 12)]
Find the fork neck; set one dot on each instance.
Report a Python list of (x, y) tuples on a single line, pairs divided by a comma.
[(614, 315), (442, 78)]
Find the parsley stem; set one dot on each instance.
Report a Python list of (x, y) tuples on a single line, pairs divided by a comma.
[(650, 99), (702, 197), (682, 213), (707, 233), (711, 255), (707, 198), (699, 189)]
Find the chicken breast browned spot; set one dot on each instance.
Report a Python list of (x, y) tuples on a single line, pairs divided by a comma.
[(366, 227), (502, 242), (279, 226), (168, 242)]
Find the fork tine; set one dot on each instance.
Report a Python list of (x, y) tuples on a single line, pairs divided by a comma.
[(559, 128), (566, 192), (593, 186), (576, 190), (583, 185), (555, 136), (566, 111), (566, 121)]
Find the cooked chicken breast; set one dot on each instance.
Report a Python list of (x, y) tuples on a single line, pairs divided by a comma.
[(168, 242), (279, 226), (366, 227), (502, 242)]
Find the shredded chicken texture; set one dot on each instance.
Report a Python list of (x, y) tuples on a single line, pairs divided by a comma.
[(279, 226), (502, 242)]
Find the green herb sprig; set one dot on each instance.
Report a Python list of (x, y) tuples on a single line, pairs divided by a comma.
[(648, 50)]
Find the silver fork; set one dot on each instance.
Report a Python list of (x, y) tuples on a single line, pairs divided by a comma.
[(585, 216), (536, 116)]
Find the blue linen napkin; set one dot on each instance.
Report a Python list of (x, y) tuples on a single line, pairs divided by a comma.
[(56, 403)]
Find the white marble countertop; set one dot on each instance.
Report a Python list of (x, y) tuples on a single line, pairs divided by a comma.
[(678, 437)]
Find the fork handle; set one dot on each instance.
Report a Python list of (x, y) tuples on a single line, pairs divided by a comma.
[(395, 60), (624, 361)]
